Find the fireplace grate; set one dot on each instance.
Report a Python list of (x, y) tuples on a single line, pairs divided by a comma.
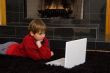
[(55, 13)]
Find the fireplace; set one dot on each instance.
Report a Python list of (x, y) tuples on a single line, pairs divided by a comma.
[(56, 8)]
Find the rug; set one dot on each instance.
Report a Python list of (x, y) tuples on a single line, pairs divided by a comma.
[(96, 62)]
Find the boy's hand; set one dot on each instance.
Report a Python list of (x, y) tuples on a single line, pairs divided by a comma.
[(52, 53), (38, 43)]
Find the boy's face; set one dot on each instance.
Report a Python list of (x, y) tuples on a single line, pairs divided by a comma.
[(38, 36)]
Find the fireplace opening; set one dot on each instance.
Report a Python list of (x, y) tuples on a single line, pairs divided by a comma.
[(72, 9), (56, 8)]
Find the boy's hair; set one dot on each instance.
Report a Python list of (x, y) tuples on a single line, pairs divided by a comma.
[(37, 26)]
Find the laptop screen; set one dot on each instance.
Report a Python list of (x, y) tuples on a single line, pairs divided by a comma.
[(75, 52)]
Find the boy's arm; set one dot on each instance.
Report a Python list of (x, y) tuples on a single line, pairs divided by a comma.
[(44, 50), (34, 52), (31, 49)]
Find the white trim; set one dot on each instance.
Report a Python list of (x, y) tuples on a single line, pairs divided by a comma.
[(99, 51), (82, 9)]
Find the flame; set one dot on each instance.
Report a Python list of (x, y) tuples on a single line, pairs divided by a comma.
[(55, 6)]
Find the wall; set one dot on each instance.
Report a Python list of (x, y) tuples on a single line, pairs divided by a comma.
[(2, 12), (92, 9), (15, 11), (32, 8), (107, 34)]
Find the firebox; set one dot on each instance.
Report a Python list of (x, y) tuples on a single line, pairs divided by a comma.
[(56, 8)]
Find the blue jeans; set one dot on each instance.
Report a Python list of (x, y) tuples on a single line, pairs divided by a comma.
[(4, 47)]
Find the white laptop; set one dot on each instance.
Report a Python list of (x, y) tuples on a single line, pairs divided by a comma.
[(75, 54)]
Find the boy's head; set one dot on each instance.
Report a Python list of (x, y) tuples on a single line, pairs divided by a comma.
[(37, 26), (37, 29)]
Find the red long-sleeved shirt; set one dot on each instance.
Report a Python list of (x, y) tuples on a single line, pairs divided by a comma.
[(28, 48)]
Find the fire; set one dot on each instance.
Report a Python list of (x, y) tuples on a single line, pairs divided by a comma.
[(55, 5)]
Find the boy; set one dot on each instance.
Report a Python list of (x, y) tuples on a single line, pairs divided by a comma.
[(34, 45)]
